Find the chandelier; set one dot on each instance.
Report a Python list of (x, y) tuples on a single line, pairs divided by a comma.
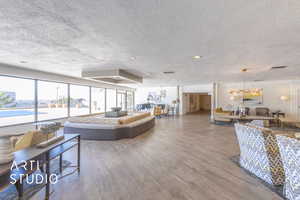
[(243, 94)]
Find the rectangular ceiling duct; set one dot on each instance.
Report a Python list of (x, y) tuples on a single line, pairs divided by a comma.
[(116, 76)]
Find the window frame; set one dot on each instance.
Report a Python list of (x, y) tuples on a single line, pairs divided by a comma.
[(69, 99), (91, 96), (37, 100), (116, 97), (124, 92), (35, 89), (133, 99), (34, 99)]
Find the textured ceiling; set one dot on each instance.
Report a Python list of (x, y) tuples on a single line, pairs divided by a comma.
[(151, 36)]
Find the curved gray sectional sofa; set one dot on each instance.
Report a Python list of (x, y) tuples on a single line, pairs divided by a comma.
[(93, 131)]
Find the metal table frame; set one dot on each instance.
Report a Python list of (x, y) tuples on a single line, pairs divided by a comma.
[(45, 155)]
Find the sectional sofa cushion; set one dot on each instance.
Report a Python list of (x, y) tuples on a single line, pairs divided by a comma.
[(100, 119)]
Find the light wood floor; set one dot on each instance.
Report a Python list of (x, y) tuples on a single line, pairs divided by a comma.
[(181, 158)]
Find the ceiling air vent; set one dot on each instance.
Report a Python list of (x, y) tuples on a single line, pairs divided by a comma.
[(169, 72), (279, 67)]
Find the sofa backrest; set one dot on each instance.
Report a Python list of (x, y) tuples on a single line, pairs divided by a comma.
[(259, 123), (260, 153)]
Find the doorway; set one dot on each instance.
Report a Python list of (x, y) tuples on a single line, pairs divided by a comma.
[(197, 103)]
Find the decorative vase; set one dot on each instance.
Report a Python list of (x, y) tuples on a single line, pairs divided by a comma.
[(6, 150)]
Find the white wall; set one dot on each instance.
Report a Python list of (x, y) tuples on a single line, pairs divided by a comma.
[(141, 94), (272, 90), (204, 88)]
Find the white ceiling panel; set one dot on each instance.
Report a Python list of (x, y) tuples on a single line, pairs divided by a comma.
[(153, 36)]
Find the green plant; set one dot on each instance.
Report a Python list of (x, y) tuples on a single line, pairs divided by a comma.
[(5, 99)]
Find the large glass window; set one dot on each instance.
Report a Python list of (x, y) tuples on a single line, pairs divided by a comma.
[(16, 101), (110, 99), (130, 101), (121, 99), (79, 100), (52, 100), (98, 100)]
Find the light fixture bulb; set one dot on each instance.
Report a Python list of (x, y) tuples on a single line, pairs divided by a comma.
[(284, 98)]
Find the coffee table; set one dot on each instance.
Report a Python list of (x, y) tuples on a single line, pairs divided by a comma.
[(247, 117)]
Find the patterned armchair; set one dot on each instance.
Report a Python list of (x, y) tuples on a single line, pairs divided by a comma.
[(290, 153), (260, 153)]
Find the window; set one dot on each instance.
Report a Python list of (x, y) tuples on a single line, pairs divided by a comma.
[(121, 99), (130, 101), (19, 96), (98, 100), (79, 100), (16, 101), (110, 99), (52, 100)]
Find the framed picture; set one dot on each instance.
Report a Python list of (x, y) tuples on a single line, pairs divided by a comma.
[(253, 96)]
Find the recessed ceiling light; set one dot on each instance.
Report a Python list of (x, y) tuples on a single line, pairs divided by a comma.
[(244, 70), (132, 58), (197, 57)]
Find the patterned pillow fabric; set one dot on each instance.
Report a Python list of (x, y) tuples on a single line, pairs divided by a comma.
[(30, 139), (275, 160), (290, 152)]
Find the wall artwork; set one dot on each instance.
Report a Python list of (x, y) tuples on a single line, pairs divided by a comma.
[(253, 96), (155, 98)]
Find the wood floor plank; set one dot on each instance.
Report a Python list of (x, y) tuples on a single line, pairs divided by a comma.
[(184, 158)]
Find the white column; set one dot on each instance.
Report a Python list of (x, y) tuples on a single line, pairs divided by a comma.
[(214, 100), (294, 101), (180, 97)]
